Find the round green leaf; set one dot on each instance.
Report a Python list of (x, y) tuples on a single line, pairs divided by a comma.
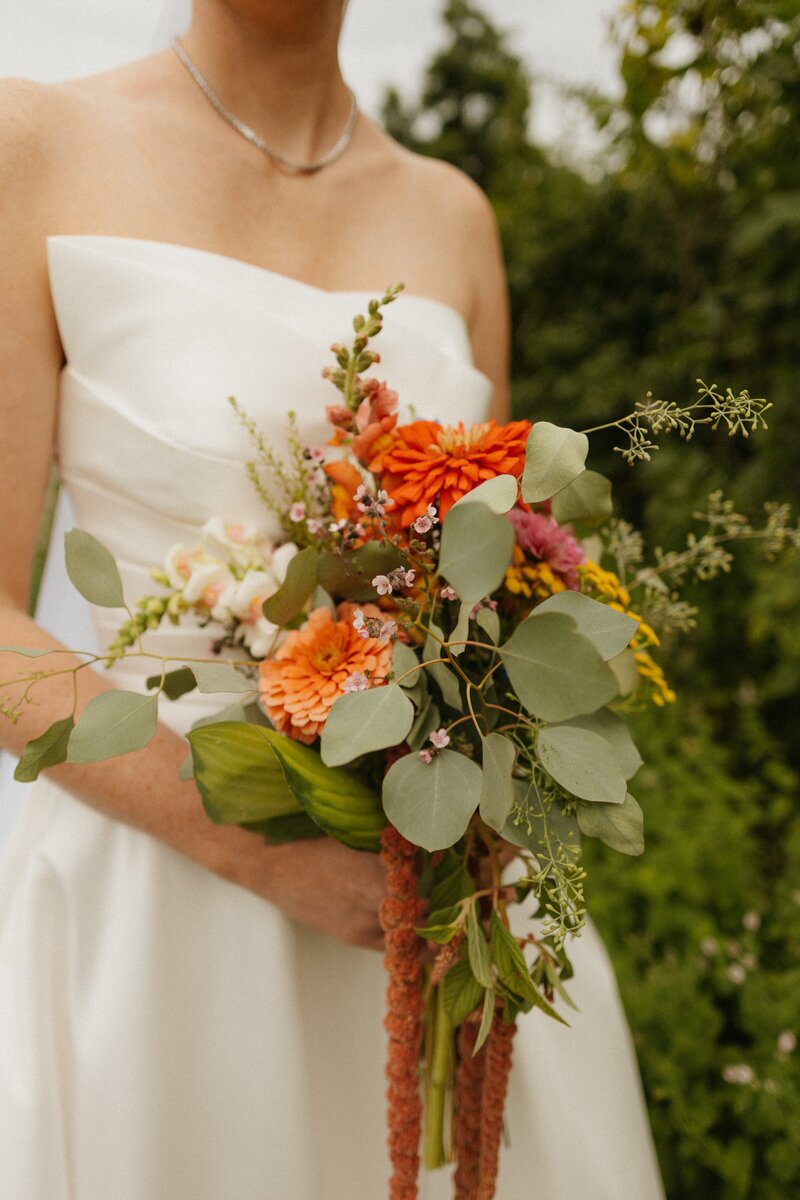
[(47, 750), (586, 501), (554, 456), (555, 671), (498, 494), (220, 677), (582, 762), (360, 722), (113, 723), (431, 803), (92, 569), (476, 549), (614, 730), (620, 826), (497, 794), (296, 589), (609, 630)]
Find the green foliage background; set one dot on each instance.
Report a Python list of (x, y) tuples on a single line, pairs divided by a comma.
[(673, 253)]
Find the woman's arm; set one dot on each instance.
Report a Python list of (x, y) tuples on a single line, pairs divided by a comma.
[(320, 883)]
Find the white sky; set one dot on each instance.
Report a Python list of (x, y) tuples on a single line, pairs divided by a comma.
[(385, 41)]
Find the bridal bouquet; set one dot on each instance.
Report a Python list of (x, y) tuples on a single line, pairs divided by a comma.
[(433, 662)]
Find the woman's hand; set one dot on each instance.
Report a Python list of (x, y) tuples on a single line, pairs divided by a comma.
[(318, 882)]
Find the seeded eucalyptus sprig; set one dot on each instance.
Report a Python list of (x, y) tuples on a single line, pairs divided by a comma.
[(740, 413)]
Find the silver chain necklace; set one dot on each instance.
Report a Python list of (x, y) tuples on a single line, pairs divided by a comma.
[(251, 135)]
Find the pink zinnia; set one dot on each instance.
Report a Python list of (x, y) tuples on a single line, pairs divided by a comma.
[(543, 538)]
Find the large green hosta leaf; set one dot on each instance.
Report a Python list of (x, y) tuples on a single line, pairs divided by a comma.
[(237, 774), (340, 803)]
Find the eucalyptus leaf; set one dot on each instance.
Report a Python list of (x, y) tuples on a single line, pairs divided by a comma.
[(113, 723), (360, 722), (431, 803), (497, 795), (443, 675), (478, 950), (554, 456), (582, 762), (555, 671), (620, 826), (625, 671), (237, 774), (461, 992), (614, 730), (607, 629), (488, 620), (475, 550), (27, 651), (221, 677), (404, 659), (92, 569), (175, 683), (47, 750), (295, 591), (427, 719), (460, 631), (586, 501), (536, 821), (322, 599), (499, 494)]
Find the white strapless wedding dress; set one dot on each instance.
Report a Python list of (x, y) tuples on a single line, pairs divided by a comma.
[(165, 1035)]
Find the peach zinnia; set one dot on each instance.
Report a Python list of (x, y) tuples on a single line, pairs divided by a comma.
[(299, 685), (429, 463)]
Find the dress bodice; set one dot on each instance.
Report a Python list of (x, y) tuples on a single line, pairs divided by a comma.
[(158, 336)]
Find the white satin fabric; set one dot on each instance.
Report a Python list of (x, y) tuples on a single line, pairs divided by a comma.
[(165, 1035)]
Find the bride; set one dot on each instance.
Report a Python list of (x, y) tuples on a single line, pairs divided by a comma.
[(186, 1012)]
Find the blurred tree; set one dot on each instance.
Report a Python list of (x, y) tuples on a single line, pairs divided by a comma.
[(676, 252)]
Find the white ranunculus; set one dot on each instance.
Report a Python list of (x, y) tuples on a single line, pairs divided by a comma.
[(260, 637), (204, 576)]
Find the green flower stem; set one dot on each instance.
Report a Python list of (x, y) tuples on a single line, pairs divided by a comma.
[(439, 1072)]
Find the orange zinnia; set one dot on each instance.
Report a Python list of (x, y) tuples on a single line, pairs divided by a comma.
[(438, 464), (299, 685)]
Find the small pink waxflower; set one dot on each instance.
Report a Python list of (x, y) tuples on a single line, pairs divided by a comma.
[(448, 593), (439, 739), (425, 756), (382, 585), (357, 682), (360, 623), (388, 632), (751, 921), (314, 525), (337, 526), (298, 511), (317, 453), (426, 522)]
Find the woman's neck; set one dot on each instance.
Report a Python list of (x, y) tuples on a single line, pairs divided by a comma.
[(275, 64)]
